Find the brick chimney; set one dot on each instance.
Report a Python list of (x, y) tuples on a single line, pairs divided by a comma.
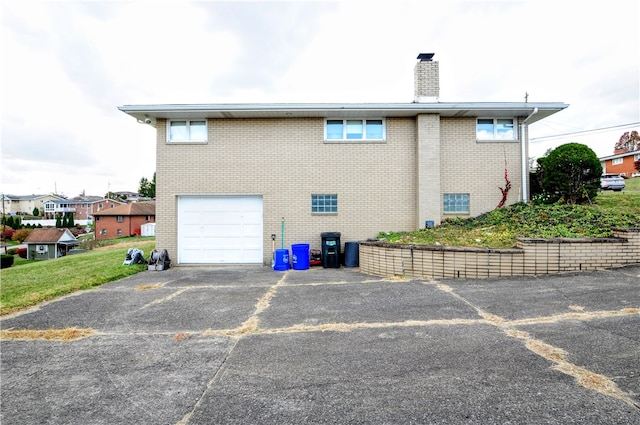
[(426, 79)]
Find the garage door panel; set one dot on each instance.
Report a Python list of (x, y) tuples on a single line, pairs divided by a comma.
[(224, 218), (224, 231), (249, 231), (252, 217), (220, 229)]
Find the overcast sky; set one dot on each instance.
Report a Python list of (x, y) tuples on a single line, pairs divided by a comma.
[(67, 66)]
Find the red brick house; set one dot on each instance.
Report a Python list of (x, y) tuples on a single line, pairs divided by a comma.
[(621, 163), (123, 220)]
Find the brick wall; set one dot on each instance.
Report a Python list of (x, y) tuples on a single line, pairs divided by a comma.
[(530, 257), (396, 185), (477, 168), (627, 168), (286, 161)]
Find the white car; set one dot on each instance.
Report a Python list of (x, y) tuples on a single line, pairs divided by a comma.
[(612, 182)]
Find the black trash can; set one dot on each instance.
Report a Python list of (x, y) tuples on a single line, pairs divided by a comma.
[(330, 250), (351, 254)]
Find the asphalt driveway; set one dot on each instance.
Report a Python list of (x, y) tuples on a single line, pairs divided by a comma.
[(248, 345)]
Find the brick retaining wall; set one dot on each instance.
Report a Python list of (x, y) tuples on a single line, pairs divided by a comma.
[(529, 257)]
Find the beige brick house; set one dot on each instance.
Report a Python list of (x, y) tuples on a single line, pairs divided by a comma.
[(228, 174)]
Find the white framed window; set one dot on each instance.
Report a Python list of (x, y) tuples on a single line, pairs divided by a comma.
[(636, 157), (357, 129), (324, 204), (187, 131), (616, 161), (456, 203), (120, 219), (496, 129)]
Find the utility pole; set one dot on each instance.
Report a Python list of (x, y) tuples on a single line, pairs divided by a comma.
[(4, 223)]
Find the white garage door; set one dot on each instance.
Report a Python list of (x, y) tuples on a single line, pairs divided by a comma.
[(220, 229)]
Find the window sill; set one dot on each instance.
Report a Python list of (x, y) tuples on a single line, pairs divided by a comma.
[(354, 142), (323, 214), (187, 142), (497, 140)]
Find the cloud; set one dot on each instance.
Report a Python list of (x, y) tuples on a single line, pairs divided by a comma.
[(68, 65)]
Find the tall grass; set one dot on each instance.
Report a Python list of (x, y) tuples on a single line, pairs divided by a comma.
[(34, 282)]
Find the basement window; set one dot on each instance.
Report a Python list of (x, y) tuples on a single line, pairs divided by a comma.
[(324, 204), (456, 203), (353, 130), (496, 129), (187, 131)]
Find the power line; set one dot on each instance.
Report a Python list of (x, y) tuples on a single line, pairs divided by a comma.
[(595, 130)]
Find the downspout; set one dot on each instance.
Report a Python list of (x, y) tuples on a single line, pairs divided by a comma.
[(525, 162)]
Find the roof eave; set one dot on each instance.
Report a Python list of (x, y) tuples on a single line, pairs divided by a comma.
[(330, 110)]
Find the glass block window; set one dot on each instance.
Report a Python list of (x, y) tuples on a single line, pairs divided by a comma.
[(324, 204), (456, 203)]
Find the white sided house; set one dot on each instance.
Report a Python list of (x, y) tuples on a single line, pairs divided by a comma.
[(229, 176)]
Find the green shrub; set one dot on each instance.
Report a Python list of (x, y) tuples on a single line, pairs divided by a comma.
[(570, 173), (6, 261)]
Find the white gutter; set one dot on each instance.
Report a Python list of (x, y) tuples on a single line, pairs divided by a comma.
[(525, 161)]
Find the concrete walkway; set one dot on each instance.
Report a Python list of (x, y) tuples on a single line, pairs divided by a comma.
[(247, 345)]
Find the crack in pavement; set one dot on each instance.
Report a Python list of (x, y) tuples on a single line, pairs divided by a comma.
[(584, 377), (251, 326), (248, 326)]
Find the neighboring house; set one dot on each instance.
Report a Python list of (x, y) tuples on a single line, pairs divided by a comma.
[(53, 208), (85, 207), (621, 163), (129, 196), (229, 176), (44, 244), (24, 205), (82, 208), (123, 220)]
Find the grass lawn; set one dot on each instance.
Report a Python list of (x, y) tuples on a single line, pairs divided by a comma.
[(28, 283)]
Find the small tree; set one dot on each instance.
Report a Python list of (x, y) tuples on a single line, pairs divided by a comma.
[(58, 221), (571, 173), (628, 142), (148, 188), (20, 235), (35, 212)]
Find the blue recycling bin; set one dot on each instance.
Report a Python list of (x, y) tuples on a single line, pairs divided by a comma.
[(281, 262), (300, 256)]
